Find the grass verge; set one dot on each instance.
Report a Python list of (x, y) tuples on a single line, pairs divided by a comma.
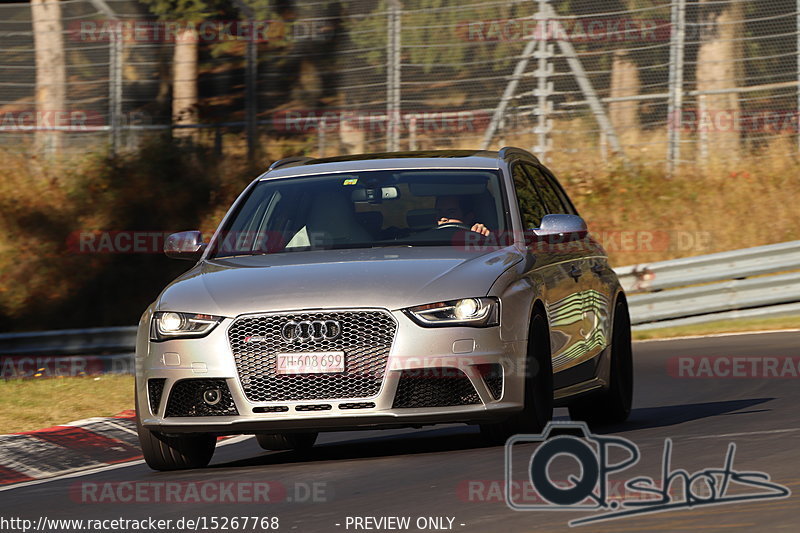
[(723, 326), (39, 403)]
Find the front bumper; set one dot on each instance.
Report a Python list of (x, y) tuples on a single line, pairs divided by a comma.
[(431, 353)]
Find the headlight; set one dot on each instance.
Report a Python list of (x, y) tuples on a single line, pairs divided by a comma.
[(475, 312), (171, 325)]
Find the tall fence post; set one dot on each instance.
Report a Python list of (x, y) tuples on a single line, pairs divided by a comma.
[(250, 80), (543, 91), (393, 76), (116, 44), (251, 103), (675, 105), (321, 141)]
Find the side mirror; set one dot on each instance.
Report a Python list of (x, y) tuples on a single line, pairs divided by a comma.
[(562, 227), (187, 245)]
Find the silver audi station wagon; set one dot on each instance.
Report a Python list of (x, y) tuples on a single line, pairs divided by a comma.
[(383, 291)]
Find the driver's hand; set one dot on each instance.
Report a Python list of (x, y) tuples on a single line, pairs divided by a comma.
[(480, 228)]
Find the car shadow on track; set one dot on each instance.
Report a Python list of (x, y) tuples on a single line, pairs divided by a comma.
[(459, 438), (671, 415), (435, 440)]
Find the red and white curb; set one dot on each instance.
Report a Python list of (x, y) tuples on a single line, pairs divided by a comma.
[(77, 446)]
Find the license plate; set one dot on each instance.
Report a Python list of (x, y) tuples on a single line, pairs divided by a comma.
[(310, 363)]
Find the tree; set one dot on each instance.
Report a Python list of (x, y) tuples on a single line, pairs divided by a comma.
[(185, 56), (718, 68), (50, 70)]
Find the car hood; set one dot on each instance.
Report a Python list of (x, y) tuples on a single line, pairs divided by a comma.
[(391, 278)]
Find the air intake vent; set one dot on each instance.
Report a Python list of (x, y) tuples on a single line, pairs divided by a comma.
[(271, 409), (493, 377), (155, 388), (434, 387), (357, 405), (315, 407)]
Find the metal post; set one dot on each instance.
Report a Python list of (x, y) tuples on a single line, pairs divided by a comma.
[(412, 133), (251, 103), (115, 87), (543, 91), (603, 147), (250, 79), (393, 76), (675, 105), (702, 127), (321, 125)]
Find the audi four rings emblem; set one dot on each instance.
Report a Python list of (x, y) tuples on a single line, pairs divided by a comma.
[(311, 330)]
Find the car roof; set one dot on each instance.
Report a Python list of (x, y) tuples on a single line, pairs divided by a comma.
[(482, 159)]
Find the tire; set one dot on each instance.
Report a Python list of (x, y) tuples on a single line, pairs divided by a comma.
[(293, 441), (612, 406), (538, 409), (162, 452)]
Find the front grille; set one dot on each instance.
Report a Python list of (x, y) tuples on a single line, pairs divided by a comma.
[(365, 337), (186, 399), (434, 387), (155, 388)]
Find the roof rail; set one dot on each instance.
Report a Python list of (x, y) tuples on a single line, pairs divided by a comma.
[(287, 160), (506, 150)]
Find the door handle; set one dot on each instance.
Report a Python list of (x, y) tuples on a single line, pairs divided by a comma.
[(575, 272)]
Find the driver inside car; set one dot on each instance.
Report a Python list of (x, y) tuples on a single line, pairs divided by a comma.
[(454, 209)]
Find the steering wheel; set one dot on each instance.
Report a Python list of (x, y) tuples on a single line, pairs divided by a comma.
[(453, 225)]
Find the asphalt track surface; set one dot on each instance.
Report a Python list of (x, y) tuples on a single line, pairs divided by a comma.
[(429, 472)]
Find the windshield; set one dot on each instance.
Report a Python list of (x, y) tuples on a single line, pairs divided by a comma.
[(416, 207)]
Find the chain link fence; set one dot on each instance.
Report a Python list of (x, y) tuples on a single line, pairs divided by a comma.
[(657, 81)]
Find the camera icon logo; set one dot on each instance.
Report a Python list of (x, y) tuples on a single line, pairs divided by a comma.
[(587, 490)]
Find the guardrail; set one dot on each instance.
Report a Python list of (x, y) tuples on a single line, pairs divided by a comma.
[(750, 283), (69, 341), (753, 282)]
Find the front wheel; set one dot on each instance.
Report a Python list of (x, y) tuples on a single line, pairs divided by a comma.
[(538, 409), (163, 452), (613, 405)]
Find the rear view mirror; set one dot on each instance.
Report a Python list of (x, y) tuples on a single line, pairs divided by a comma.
[(562, 226), (187, 245), (375, 196)]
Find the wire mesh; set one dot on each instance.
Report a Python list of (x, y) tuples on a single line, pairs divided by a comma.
[(684, 81)]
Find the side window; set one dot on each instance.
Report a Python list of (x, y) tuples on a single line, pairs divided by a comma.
[(551, 199), (566, 202), (530, 204)]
